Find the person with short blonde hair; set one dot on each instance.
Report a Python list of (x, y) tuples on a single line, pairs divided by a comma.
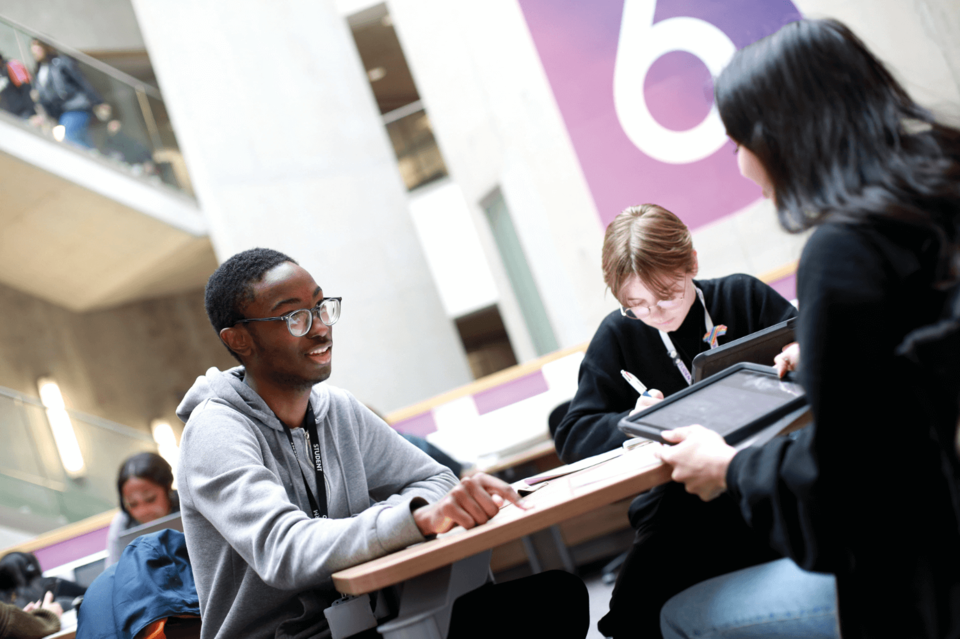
[(648, 241), (665, 319)]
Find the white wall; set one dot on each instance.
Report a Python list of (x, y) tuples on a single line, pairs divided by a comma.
[(450, 243), (497, 124)]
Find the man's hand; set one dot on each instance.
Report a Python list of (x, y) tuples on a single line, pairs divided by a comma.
[(47, 604), (645, 401), (788, 359), (471, 502), (700, 460)]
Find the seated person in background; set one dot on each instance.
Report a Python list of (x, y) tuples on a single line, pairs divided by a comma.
[(665, 319), (22, 582), (145, 485), (285, 480), (38, 619)]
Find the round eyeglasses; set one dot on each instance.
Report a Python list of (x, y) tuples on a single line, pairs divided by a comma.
[(300, 321), (643, 312)]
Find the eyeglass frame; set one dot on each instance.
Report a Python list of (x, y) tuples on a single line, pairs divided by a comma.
[(624, 310), (286, 316)]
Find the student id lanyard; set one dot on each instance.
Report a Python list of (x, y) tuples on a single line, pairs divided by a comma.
[(310, 423), (713, 332)]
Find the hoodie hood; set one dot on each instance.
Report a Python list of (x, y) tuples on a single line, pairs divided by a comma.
[(227, 387)]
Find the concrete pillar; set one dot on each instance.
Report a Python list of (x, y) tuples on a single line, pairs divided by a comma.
[(286, 149)]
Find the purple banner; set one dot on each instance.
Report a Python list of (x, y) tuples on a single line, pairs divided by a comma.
[(633, 80)]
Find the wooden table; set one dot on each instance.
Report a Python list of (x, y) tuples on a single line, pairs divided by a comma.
[(435, 573)]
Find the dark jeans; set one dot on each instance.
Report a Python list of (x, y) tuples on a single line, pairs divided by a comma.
[(680, 542), (551, 604)]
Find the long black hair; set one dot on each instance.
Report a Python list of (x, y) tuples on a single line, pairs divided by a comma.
[(149, 466), (839, 137)]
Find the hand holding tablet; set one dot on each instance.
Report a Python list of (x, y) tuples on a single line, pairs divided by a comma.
[(699, 458), (737, 403)]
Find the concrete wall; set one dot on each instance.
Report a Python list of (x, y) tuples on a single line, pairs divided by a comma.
[(88, 25), (287, 149), (498, 125), (129, 364)]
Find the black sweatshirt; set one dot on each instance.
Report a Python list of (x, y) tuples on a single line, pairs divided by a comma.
[(863, 493), (742, 303)]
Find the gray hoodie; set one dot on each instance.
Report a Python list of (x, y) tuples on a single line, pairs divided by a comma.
[(262, 565)]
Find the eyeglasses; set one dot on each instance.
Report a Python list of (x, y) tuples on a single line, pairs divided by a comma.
[(300, 321), (641, 312)]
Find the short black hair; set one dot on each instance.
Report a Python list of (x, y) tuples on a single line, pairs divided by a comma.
[(149, 466), (230, 288)]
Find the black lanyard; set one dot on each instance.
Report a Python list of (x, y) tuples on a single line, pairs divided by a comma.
[(310, 423)]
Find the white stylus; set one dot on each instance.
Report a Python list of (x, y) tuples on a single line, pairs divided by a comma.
[(635, 383)]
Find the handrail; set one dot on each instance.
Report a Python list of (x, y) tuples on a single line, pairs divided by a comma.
[(780, 272), (149, 89), (70, 531), (482, 384)]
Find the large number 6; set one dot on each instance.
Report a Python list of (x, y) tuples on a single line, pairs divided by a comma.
[(641, 44)]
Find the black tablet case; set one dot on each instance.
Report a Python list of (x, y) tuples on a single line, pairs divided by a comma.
[(758, 429), (759, 347)]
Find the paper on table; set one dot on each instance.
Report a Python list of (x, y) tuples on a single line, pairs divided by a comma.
[(583, 463), (631, 461)]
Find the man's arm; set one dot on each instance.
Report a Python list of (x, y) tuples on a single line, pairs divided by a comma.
[(396, 470), (439, 502), (224, 478)]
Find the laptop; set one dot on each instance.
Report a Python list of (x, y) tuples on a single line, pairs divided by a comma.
[(170, 521)]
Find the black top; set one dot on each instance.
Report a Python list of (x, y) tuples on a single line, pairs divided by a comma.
[(742, 303), (863, 493)]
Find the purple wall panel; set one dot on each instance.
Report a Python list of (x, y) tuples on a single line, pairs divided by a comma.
[(72, 549), (421, 425), (510, 392), (578, 45)]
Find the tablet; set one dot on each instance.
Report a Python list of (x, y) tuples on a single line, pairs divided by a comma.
[(737, 403), (759, 347)]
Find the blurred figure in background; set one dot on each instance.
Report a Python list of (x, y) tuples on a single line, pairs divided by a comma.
[(38, 619), (15, 89), (23, 585), (123, 148), (65, 95), (145, 486)]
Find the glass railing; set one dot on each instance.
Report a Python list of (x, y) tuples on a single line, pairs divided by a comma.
[(77, 100), (33, 481)]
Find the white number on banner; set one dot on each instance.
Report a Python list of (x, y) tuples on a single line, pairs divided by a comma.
[(641, 44)]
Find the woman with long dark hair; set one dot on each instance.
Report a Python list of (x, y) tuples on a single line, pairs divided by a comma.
[(145, 488), (869, 491)]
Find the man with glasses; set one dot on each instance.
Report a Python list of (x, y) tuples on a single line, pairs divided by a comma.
[(666, 318), (284, 480)]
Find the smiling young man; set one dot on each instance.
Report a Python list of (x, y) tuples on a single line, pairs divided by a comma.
[(284, 479), (666, 318)]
